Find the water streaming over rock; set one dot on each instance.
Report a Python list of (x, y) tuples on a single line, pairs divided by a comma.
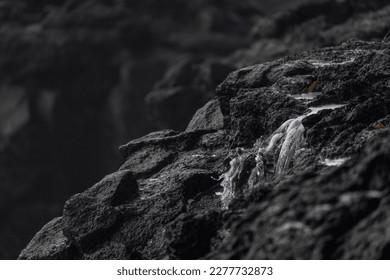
[(233, 179), (273, 156)]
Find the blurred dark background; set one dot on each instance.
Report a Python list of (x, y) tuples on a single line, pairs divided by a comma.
[(79, 78)]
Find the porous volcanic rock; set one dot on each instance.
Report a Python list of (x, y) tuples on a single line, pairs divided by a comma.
[(87, 76), (330, 201)]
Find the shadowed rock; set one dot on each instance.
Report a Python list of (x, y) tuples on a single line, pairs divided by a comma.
[(90, 216), (57, 247)]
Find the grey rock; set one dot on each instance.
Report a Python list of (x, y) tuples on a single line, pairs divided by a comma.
[(89, 217), (209, 117), (52, 244)]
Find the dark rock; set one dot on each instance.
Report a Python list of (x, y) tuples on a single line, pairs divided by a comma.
[(190, 236), (57, 246), (197, 183), (79, 73), (89, 217), (150, 154), (192, 82), (313, 24), (387, 38), (329, 202), (208, 117), (368, 111), (85, 70), (297, 221), (258, 112)]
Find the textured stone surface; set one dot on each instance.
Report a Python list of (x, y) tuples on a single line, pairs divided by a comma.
[(57, 246), (91, 75), (312, 210), (209, 117), (90, 216)]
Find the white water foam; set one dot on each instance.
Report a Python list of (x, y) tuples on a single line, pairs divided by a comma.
[(334, 162), (231, 178)]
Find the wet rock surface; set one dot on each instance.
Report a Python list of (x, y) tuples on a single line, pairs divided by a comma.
[(289, 161)]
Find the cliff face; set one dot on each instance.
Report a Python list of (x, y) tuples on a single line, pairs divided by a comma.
[(289, 161), (80, 78)]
